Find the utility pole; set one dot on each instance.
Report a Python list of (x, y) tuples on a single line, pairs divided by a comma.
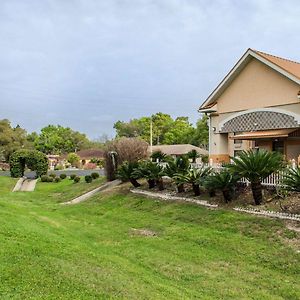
[(151, 134)]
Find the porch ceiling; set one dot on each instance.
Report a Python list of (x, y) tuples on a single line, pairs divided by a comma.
[(263, 134)]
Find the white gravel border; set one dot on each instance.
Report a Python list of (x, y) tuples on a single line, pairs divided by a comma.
[(266, 213), (174, 198), (269, 213)]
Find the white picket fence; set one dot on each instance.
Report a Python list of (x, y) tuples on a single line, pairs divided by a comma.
[(274, 179)]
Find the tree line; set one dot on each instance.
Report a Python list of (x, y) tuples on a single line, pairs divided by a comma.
[(57, 139), (165, 129), (52, 139)]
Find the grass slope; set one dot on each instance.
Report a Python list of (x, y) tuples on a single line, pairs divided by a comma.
[(89, 251)]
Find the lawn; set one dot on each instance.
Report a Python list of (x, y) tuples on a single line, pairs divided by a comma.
[(92, 250)]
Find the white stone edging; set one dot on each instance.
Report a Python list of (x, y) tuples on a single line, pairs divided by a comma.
[(170, 197), (269, 213)]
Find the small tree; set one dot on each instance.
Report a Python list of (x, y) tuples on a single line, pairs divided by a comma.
[(73, 159), (256, 165)]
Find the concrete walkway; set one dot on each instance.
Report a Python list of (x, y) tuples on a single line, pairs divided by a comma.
[(88, 195), (25, 185)]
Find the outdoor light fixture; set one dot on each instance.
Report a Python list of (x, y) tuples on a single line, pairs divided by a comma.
[(214, 129), (298, 96)]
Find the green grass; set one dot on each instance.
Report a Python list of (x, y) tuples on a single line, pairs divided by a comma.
[(89, 251)]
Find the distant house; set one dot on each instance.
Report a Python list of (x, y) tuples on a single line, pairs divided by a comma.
[(257, 105), (89, 154), (176, 150)]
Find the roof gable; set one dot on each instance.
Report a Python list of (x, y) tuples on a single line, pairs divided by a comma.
[(287, 68)]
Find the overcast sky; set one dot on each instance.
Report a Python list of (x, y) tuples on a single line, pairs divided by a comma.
[(86, 64)]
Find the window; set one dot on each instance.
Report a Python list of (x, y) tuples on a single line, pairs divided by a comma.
[(278, 146)]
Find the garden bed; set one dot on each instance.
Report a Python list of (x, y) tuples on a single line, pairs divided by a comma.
[(273, 205)]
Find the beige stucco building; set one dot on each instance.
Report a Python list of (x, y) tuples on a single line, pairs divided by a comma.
[(257, 105)]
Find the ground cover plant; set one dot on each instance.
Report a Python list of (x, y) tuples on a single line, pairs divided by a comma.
[(117, 245)]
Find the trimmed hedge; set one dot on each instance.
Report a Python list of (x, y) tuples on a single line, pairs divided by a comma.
[(95, 175), (76, 179), (62, 176), (88, 178), (33, 159)]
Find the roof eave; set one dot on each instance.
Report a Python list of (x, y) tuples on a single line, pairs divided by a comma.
[(242, 62)]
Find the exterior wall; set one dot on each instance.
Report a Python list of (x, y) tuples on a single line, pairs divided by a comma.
[(257, 86)]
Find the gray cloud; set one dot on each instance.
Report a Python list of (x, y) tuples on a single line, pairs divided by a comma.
[(86, 64)]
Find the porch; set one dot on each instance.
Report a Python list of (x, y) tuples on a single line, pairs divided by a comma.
[(285, 141)]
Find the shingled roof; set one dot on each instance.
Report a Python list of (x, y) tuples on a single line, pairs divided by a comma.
[(178, 149)]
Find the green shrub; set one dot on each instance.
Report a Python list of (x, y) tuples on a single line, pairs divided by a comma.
[(62, 176), (44, 178), (33, 159), (50, 179), (52, 175), (57, 179), (76, 179), (73, 176), (291, 180), (88, 178), (95, 175)]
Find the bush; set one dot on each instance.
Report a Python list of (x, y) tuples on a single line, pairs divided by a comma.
[(72, 176), (52, 175), (57, 179), (121, 150), (88, 178), (33, 159), (44, 178), (50, 179), (291, 180), (62, 176), (76, 179), (95, 175)]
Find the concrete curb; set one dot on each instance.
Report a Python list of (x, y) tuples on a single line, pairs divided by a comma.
[(92, 192), (169, 197)]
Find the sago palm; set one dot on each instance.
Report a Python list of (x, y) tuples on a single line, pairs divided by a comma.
[(196, 177), (291, 180), (193, 155), (176, 169), (127, 172), (224, 181), (255, 166)]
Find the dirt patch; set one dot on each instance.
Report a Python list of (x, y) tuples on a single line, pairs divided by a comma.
[(143, 232)]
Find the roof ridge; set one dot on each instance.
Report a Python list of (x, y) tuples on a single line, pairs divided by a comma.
[(286, 59)]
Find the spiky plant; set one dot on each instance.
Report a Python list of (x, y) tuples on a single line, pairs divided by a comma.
[(223, 181), (152, 172), (291, 180), (127, 172), (196, 177), (255, 166), (176, 169), (193, 155), (158, 156)]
